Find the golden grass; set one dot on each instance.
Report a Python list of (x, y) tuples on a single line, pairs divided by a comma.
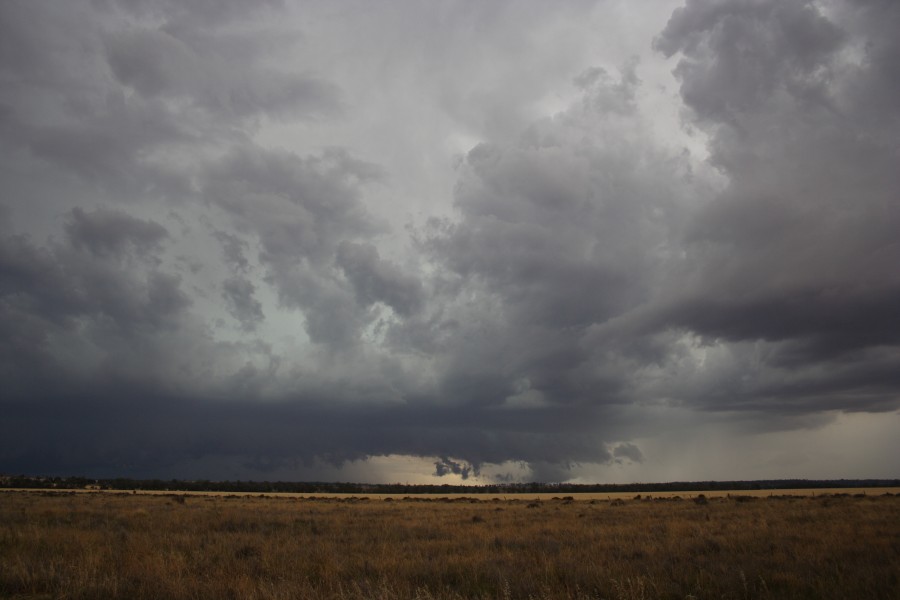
[(194, 547)]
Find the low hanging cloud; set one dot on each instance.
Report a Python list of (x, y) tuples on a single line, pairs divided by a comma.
[(214, 248), (628, 452), (445, 466)]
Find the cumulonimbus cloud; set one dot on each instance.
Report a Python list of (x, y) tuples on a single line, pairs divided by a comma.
[(177, 284)]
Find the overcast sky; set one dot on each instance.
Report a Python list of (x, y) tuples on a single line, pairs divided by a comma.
[(441, 241)]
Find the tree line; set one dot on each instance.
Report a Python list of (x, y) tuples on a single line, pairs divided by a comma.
[(301, 487)]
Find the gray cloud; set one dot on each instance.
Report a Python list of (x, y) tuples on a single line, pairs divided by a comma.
[(301, 210), (73, 318), (445, 466), (559, 232), (231, 235), (238, 292), (123, 95), (628, 452), (234, 249), (376, 280), (106, 232), (799, 249), (174, 62), (791, 43), (164, 430), (60, 282), (194, 13)]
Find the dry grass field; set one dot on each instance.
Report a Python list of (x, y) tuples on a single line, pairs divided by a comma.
[(136, 546)]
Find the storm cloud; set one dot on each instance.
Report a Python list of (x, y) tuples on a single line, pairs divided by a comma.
[(272, 240)]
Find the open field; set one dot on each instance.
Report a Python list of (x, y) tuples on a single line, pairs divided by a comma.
[(142, 546)]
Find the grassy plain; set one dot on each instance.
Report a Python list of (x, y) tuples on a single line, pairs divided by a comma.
[(142, 546)]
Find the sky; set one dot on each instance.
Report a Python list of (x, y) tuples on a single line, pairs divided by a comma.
[(450, 241)]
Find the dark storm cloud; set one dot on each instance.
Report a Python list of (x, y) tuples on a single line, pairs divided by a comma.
[(148, 431), (800, 250), (59, 282), (445, 466), (71, 317), (591, 272), (829, 319)]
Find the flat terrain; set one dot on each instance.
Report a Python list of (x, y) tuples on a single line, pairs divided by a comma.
[(124, 545), (510, 496)]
